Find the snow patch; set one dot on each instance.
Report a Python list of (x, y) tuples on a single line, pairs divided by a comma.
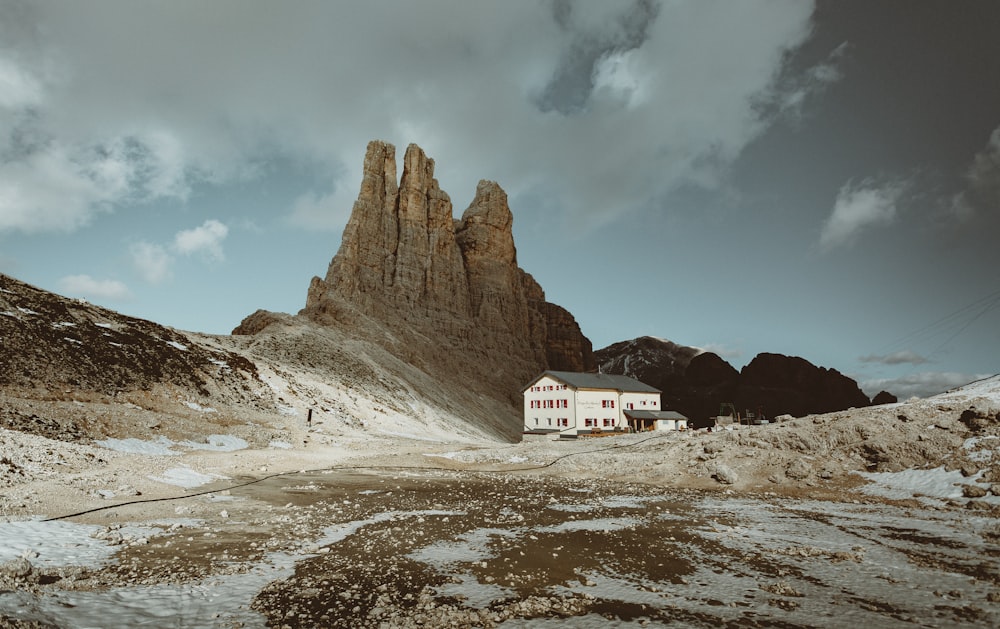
[(934, 483), (59, 543), (164, 447), (194, 406), (217, 443), (160, 447), (408, 435), (978, 451), (177, 345), (185, 477), (281, 445)]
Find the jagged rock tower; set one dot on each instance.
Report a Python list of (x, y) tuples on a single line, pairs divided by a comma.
[(450, 290)]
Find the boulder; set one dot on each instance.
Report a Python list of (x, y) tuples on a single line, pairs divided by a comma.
[(725, 474)]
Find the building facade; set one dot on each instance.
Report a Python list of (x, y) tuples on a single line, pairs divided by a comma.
[(573, 403)]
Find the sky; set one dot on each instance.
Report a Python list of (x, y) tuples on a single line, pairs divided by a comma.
[(812, 179)]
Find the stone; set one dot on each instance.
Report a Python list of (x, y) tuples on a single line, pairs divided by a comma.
[(725, 474), (798, 469), (18, 568), (973, 491)]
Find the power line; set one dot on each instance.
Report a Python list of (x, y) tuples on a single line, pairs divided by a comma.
[(959, 321)]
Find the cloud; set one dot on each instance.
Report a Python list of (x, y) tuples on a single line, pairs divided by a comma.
[(898, 358), (860, 206), (151, 261), (983, 178), (205, 240), (920, 385), (792, 92), (603, 108), (87, 286), (599, 37), (18, 88), (154, 262), (722, 351), (328, 212)]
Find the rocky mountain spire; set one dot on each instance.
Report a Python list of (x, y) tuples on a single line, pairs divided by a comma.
[(398, 250), (405, 259)]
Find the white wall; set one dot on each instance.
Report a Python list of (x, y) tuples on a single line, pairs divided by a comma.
[(641, 401), (602, 408), (540, 416)]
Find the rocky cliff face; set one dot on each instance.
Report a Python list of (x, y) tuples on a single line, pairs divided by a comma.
[(449, 292)]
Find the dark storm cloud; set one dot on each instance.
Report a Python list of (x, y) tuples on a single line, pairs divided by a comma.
[(982, 196), (896, 358), (214, 93), (919, 384), (591, 40)]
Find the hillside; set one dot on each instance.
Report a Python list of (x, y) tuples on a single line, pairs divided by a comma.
[(77, 372)]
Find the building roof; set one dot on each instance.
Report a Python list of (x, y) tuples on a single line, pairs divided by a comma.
[(653, 414), (596, 381)]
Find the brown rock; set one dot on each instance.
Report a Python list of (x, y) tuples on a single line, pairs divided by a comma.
[(449, 292)]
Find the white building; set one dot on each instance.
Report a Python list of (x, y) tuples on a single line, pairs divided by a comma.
[(641, 421), (572, 403)]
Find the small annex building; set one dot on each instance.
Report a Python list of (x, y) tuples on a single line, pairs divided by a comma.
[(572, 403), (642, 421)]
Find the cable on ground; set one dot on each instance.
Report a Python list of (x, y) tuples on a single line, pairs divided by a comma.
[(342, 468)]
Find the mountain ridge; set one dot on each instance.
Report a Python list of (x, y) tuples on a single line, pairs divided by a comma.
[(697, 383)]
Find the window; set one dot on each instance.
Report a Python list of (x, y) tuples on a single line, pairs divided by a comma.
[(608, 422), (590, 421), (564, 421)]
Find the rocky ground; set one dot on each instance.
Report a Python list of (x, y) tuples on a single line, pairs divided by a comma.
[(333, 525)]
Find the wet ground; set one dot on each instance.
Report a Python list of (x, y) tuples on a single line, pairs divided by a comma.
[(436, 549)]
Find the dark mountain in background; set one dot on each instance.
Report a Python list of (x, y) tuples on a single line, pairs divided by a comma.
[(697, 383), (884, 397)]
